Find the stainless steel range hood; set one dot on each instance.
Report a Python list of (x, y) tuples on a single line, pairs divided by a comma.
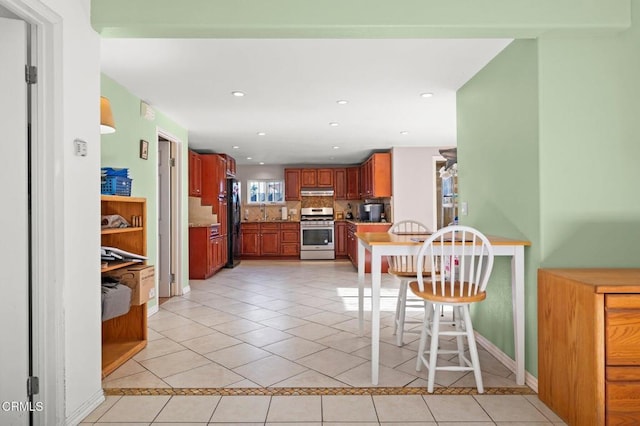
[(316, 192)]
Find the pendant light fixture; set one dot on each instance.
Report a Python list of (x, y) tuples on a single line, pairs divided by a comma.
[(107, 125)]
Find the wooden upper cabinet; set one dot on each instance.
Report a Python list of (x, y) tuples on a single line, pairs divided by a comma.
[(309, 178), (214, 178), (376, 176), (353, 183), (316, 178), (340, 183), (195, 174), (221, 172), (292, 184), (231, 165), (324, 178)]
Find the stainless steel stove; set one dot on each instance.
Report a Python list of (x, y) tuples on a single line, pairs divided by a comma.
[(317, 233)]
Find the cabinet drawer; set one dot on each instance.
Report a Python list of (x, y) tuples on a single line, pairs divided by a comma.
[(622, 337), (623, 403), (290, 236), (623, 374), (622, 301), (290, 249), (290, 226), (250, 226), (270, 226)]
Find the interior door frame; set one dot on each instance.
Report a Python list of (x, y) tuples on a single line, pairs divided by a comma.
[(176, 210), (437, 189), (47, 153)]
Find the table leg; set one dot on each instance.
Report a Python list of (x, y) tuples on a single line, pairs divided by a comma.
[(361, 268), (517, 291), (376, 279)]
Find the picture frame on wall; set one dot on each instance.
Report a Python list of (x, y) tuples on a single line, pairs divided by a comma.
[(144, 149)]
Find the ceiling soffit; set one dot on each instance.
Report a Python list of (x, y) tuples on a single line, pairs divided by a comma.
[(354, 18)]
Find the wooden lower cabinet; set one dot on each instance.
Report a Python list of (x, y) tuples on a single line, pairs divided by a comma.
[(290, 239), (270, 239), (352, 243), (589, 345), (250, 237), (207, 251), (340, 239)]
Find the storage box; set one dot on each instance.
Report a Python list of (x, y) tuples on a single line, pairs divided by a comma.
[(140, 279)]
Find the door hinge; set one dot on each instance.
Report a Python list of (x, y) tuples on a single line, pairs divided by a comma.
[(33, 385), (172, 162), (172, 278), (31, 74)]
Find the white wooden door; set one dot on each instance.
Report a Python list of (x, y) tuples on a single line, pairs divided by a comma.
[(14, 250), (164, 219)]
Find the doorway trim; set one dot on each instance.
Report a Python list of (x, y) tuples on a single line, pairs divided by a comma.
[(177, 233), (437, 200), (47, 196)]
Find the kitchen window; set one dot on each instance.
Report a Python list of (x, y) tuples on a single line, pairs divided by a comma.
[(265, 191)]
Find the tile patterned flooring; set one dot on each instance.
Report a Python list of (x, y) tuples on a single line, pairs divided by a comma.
[(276, 342)]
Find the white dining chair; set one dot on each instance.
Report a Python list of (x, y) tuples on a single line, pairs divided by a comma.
[(457, 287), (403, 268)]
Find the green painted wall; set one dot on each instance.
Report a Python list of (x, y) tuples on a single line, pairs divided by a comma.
[(122, 149), (590, 149), (498, 178), (548, 151)]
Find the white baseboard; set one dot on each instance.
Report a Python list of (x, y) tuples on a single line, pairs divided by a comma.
[(153, 310), (529, 379), (86, 408)]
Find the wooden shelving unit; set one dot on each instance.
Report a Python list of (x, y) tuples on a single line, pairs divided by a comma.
[(126, 335)]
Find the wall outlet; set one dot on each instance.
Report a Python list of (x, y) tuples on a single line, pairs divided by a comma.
[(293, 211), (464, 210)]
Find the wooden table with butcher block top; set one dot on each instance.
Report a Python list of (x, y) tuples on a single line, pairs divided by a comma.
[(381, 244)]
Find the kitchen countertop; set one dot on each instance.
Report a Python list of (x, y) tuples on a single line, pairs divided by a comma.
[(203, 225), (354, 221), (362, 222), (270, 221)]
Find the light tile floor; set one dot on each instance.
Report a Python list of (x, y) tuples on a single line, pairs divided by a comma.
[(283, 324)]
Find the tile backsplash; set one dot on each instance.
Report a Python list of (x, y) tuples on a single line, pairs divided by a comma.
[(254, 213)]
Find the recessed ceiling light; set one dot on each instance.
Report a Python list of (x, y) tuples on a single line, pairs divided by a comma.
[(235, 147), (426, 95), (342, 102), (333, 124), (249, 158), (404, 132), (261, 133), (262, 163), (336, 147), (237, 93)]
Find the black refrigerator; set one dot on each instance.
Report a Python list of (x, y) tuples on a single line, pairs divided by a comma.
[(234, 216)]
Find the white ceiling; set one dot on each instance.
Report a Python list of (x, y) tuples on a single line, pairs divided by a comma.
[(291, 91)]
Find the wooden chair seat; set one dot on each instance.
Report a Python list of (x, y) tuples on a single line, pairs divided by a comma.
[(438, 297)]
